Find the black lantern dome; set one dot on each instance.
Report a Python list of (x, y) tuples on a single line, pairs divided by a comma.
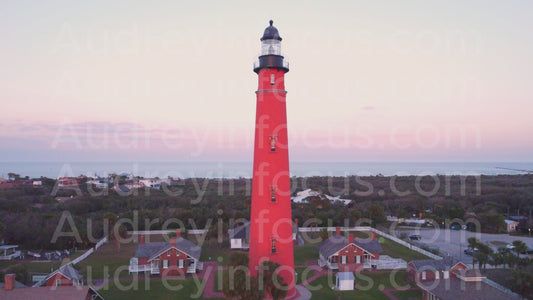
[(271, 33)]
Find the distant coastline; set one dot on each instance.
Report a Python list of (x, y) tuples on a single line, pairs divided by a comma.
[(244, 169)]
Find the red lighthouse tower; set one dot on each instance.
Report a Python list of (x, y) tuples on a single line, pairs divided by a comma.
[(271, 222)]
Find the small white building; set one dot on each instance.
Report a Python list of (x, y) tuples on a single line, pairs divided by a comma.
[(511, 225), (240, 236), (9, 252), (345, 281)]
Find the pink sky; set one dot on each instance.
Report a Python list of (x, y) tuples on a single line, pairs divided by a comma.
[(368, 82)]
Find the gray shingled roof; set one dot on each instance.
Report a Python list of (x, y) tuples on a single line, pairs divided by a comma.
[(444, 264), (240, 232), (69, 271), (454, 288), (337, 242), (150, 250)]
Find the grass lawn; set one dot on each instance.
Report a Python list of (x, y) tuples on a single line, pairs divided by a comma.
[(155, 289), (105, 262), (7, 263), (408, 295), (396, 250), (368, 286), (42, 267), (213, 251), (303, 274), (302, 254)]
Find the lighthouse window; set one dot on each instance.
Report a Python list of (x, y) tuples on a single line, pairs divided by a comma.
[(273, 143), (273, 246), (272, 79), (273, 193)]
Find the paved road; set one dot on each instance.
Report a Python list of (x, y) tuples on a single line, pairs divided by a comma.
[(454, 242)]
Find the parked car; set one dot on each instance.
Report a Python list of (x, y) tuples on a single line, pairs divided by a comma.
[(415, 237), (470, 251)]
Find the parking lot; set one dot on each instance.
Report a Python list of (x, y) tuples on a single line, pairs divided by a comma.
[(454, 242)]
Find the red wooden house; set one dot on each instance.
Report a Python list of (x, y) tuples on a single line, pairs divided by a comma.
[(348, 254), (65, 276), (430, 269), (12, 290), (450, 279), (177, 257)]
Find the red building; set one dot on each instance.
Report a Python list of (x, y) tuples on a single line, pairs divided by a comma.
[(348, 254), (67, 181), (177, 257), (65, 276), (270, 220), (450, 279), (12, 290), (431, 269)]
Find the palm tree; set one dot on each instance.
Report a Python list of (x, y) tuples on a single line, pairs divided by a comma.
[(519, 247)]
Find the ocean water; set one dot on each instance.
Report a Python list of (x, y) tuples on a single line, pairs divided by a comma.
[(244, 169)]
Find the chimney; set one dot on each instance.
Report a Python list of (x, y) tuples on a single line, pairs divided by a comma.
[(142, 240), (173, 241), (373, 235), (338, 231), (178, 233), (350, 238), (9, 282)]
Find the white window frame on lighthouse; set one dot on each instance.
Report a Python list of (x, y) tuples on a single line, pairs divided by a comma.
[(273, 139), (273, 244), (273, 189)]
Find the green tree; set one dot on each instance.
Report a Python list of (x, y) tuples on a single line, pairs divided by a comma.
[(237, 284), (323, 234), (236, 259), (522, 282), (376, 213), (2, 231), (519, 247), (274, 285)]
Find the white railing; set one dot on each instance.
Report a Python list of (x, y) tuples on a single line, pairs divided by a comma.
[(137, 268), (83, 256), (100, 243), (285, 64)]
